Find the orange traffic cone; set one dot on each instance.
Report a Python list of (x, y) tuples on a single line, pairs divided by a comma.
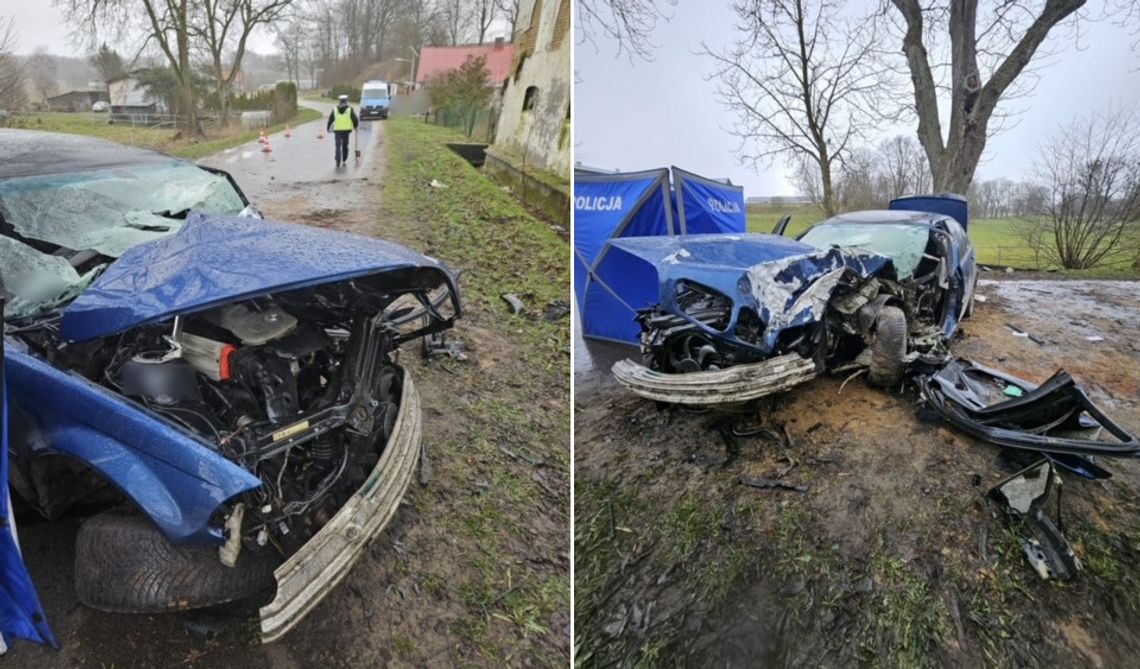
[(262, 138), (287, 133), (320, 133), (265, 146)]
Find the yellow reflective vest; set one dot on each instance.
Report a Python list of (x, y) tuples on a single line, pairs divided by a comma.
[(342, 120)]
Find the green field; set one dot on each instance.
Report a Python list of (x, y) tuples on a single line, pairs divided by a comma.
[(161, 139), (999, 242)]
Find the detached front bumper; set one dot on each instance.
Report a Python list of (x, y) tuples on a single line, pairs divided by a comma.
[(314, 570), (725, 386)]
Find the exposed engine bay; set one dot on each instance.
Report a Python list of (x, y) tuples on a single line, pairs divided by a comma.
[(299, 388)]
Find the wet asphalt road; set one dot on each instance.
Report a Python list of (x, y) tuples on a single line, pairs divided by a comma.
[(300, 161)]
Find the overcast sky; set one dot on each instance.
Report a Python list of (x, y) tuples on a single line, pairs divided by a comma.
[(39, 23), (637, 115)]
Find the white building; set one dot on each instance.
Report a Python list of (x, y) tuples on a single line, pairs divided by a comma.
[(534, 120)]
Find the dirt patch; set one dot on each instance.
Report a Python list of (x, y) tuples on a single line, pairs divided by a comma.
[(891, 557)]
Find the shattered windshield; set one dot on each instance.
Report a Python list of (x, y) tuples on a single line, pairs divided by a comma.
[(902, 243), (46, 220)]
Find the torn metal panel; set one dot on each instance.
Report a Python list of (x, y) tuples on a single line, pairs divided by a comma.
[(1056, 417), (1023, 497), (740, 383)]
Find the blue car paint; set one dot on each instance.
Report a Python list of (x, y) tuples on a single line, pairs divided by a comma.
[(21, 614), (723, 263), (175, 478), (214, 260)]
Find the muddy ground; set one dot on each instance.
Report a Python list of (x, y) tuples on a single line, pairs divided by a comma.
[(472, 571), (891, 557)]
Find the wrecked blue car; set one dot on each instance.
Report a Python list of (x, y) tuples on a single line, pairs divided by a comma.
[(230, 384), (743, 316)]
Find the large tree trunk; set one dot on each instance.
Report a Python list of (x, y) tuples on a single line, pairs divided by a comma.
[(954, 159), (828, 190)]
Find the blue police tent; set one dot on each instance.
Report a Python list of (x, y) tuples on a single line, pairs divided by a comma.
[(610, 285), (706, 206)]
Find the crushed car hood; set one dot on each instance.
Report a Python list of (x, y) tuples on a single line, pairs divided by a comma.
[(213, 260), (786, 282)]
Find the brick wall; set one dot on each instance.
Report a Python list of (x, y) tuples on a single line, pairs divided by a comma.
[(561, 24)]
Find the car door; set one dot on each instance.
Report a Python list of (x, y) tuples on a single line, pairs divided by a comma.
[(20, 612), (967, 263)]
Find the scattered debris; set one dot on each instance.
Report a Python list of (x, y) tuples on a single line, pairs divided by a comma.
[(1094, 338), (556, 310), (1018, 332), (425, 465), (979, 298), (436, 183), (435, 345), (1009, 270), (1023, 497), (514, 302), (1056, 417), (759, 482)]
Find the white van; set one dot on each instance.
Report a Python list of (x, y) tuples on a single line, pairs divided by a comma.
[(374, 100)]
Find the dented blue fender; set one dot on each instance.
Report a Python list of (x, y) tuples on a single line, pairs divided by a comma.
[(786, 282), (175, 478)]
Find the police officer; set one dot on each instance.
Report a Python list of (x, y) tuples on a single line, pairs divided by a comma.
[(342, 121)]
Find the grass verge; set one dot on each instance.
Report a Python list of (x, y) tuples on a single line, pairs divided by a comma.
[(507, 409)]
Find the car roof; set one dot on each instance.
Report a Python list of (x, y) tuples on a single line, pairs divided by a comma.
[(35, 153), (872, 216)]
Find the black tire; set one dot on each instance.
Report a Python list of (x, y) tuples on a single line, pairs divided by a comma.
[(123, 563), (888, 348)]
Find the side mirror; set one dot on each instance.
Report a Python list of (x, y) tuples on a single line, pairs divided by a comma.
[(782, 225)]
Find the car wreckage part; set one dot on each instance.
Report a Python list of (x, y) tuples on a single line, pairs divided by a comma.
[(739, 383), (310, 573), (1056, 417), (123, 563), (1023, 497), (888, 348)]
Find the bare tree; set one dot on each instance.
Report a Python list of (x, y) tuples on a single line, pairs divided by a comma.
[(1092, 171), (221, 28), (291, 34), (42, 71), (904, 164), (456, 19), (988, 51), (483, 14), (166, 23), (509, 10), (13, 84), (801, 82), (630, 23)]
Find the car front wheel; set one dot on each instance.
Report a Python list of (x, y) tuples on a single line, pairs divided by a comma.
[(123, 563), (888, 348)]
